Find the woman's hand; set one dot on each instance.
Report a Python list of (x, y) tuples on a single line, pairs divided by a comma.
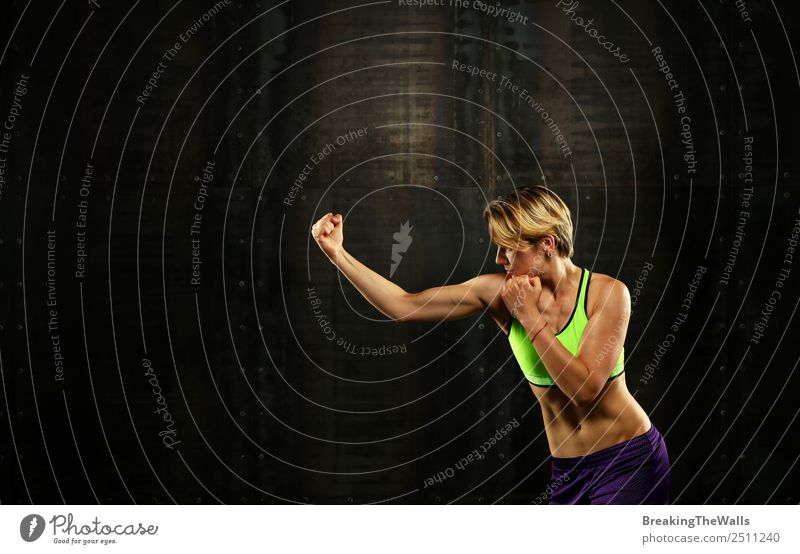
[(521, 296), (328, 232)]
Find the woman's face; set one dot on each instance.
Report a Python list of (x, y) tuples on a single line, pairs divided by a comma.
[(525, 260)]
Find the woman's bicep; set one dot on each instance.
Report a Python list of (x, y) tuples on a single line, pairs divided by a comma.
[(604, 338), (448, 302)]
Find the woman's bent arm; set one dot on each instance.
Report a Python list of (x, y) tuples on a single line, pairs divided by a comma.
[(433, 304), (583, 376)]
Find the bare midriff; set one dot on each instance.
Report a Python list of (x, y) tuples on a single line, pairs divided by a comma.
[(572, 430)]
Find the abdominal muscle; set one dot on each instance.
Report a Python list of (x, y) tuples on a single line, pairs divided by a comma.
[(613, 417)]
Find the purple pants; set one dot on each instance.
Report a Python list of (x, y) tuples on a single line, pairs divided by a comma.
[(635, 471)]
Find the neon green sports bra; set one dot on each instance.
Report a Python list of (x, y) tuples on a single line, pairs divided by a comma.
[(570, 336)]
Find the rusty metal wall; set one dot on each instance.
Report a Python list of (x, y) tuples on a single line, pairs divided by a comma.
[(282, 384)]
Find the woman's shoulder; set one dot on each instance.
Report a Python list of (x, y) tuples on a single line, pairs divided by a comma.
[(489, 286), (602, 289)]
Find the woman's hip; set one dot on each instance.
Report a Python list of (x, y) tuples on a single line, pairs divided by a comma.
[(631, 472)]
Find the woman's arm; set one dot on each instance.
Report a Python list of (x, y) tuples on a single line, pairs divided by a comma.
[(433, 304), (583, 376)]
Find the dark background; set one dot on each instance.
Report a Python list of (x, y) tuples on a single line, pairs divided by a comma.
[(267, 408)]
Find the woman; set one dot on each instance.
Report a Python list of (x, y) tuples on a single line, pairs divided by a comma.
[(569, 344)]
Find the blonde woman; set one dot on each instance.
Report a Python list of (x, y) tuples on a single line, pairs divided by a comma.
[(569, 344)]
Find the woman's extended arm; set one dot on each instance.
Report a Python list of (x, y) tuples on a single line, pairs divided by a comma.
[(434, 304)]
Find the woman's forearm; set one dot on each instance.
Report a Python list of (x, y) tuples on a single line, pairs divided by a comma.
[(569, 373), (386, 296)]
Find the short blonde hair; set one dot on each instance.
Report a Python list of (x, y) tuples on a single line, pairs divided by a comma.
[(527, 215)]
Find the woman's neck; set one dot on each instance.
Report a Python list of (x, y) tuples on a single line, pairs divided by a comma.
[(559, 275)]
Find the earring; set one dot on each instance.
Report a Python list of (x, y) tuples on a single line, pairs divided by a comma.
[(549, 254)]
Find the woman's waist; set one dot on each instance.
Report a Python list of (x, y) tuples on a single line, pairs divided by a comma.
[(569, 437)]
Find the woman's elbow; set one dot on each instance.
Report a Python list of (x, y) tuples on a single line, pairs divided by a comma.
[(582, 400), (586, 395)]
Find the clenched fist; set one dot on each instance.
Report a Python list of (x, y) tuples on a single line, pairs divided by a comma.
[(328, 232), (521, 294)]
